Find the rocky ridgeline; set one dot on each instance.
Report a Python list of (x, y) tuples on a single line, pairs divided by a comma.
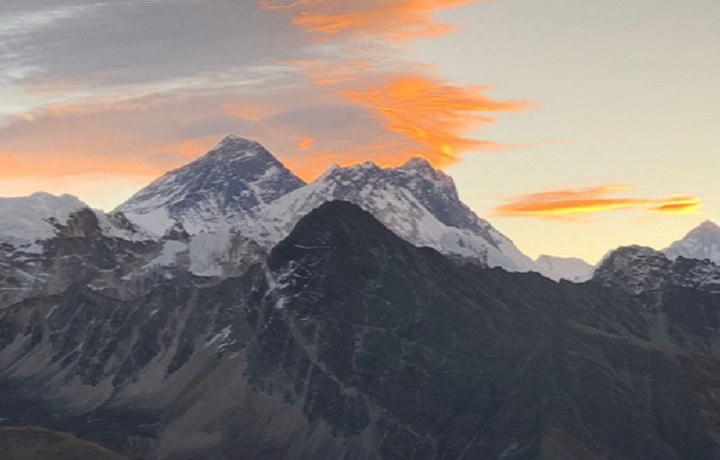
[(347, 342)]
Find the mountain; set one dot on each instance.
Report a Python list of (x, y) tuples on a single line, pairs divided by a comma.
[(27, 221), (240, 185), (703, 242), (637, 269), (564, 268), (416, 201), (347, 342), (49, 243), (224, 188)]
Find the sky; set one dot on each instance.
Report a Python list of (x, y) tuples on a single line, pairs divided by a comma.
[(573, 126)]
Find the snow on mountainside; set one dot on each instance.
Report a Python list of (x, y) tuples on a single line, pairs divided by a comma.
[(703, 242), (566, 268), (30, 219), (225, 187), (41, 216), (416, 201), (241, 185)]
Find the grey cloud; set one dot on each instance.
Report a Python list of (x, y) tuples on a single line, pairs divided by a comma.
[(137, 41)]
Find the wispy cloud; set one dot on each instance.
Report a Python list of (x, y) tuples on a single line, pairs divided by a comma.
[(361, 58), (574, 204), (435, 114)]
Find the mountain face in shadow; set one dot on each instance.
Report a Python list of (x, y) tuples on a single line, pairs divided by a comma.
[(347, 342)]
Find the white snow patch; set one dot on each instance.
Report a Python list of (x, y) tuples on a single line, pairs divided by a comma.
[(168, 256), (27, 220), (156, 222), (208, 251)]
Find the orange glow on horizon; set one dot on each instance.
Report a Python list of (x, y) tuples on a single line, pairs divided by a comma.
[(39, 166)]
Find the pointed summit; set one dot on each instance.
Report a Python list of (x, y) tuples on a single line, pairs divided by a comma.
[(420, 164), (422, 167), (235, 148), (702, 242), (707, 226), (226, 186)]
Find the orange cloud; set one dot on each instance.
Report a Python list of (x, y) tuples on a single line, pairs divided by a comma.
[(399, 20), (679, 205), (571, 204), (424, 114), (435, 115), (305, 143)]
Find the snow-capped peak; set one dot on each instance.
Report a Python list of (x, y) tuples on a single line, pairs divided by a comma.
[(234, 148), (228, 185), (41, 216), (567, 268), (33, 218), (416, 201), (702, 242)]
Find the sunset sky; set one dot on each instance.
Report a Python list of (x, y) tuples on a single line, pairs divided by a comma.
[(573, 126)]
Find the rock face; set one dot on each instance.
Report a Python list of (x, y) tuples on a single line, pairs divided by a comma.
[(703, 242), (564, 268), (347, 342), (637, 269)]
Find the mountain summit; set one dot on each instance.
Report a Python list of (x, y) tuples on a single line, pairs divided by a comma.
[(224, 187), (702, 242), (415, 201)]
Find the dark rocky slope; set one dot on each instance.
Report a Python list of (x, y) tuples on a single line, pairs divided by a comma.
[(349, 343), (27, 443)]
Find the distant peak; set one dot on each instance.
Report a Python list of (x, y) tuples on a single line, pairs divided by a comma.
[(417, 164), (237, 140), (548, 258), (631, 254), (238, 147), (422, 167), (708, 225)]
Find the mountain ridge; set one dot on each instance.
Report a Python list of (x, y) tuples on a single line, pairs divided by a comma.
[(349, 342), (415, 200)]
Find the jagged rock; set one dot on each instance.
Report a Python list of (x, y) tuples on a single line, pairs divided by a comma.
[(637, 269)]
